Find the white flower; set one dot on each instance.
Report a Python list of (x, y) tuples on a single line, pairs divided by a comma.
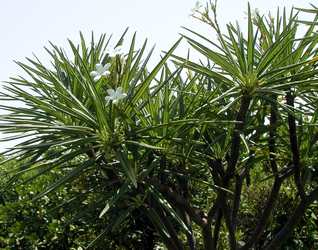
[(116, 51), (100, 71), (115, 95)]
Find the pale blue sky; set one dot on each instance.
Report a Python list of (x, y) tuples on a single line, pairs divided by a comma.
[(27, 25)]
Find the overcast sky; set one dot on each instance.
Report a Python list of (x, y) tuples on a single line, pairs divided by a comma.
[(26, 26)]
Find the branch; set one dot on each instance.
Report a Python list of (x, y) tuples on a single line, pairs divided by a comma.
[(217, 228), (294, 146), (272, 136), (222, 209), (237, 197), (229, 224), (235, 143), (184, 186), (207, 237)]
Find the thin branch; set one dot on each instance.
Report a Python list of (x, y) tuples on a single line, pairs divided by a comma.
[(229, 224), (212, 214), (294, 146), (217, 228), (207, 237), (237, 197), (184, 186), (235, 143), (272, 136)]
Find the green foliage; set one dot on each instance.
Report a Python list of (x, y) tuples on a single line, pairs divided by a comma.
[(56, 220), (39, 225)]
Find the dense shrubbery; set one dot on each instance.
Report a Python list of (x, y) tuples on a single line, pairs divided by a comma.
[(50, 223), (57, 221), (42, 224), (188, 155)]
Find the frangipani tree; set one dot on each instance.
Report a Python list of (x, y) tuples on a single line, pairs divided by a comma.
[(178, 147)]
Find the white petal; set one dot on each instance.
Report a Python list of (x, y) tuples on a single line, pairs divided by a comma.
[(120, 96), (115, 96), (94, 73), (99, 67), (106, 73), (118, 92), (97, 77), (106, 67), (111, 92)]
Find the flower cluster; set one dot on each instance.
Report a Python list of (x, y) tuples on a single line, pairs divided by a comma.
[(114, 95), (103, 70)]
